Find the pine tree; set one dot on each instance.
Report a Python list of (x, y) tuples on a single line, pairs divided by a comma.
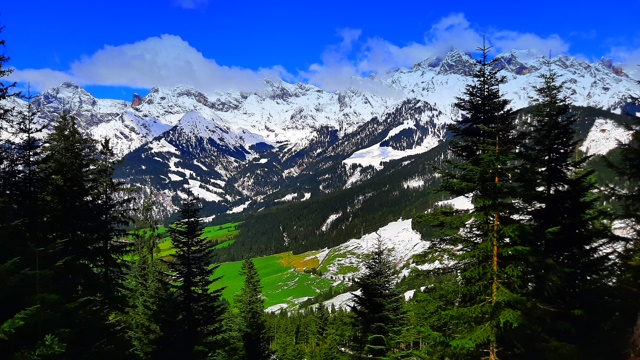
[(74, 219), (231, 345), (67, 164), (26, 318), (111, 207), (147, 289), (251, 310), (486, 252), (199, 309), (628, 167), (378, 307), (567, 259), (6, 89)]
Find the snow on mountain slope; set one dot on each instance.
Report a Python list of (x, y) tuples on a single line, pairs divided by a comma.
[(459, 203), (289, 113), (251, 143), (98, 118), (398, 238), (343, 263), (377, 154), (604, 136), (588, 84)]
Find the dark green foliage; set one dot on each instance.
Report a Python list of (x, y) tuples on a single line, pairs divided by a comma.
[(378, 307), (80, 234), (59, 228), (487, 253), (568, 266), (147, 289), (67, 165), (311, 334), (251, 310), (112, 216), (230, 342), (198, 309), (22, 309), (626, 193)]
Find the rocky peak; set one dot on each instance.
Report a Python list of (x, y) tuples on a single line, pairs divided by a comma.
[(137, 100), (519, 62), (67, 96), (69, 85), (456, 62), (608, 63), (276, 90), (432, 62)]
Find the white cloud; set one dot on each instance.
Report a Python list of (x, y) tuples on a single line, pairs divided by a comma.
[(453, 31), (336, 70), (508, 40), (167, 60), (628, 59), (40, 79), (380, 56)]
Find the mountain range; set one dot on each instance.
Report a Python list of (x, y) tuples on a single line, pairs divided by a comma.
[(290, 142)]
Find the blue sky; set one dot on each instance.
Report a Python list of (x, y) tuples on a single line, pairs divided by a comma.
[(115, 48)]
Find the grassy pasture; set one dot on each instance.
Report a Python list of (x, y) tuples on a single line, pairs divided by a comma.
[(281, 281)]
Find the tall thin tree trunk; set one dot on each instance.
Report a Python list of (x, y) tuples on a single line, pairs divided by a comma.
[(493, 346)]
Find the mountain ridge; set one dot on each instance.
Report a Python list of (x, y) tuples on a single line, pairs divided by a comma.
[(232, 145)]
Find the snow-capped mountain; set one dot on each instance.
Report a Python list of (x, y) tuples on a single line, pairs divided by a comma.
[(438, 81), (230, 147), (99, 118)]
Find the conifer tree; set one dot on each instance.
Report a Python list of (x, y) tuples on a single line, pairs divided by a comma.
[(486, 268), (147, 288), (231, 345), (75, 228), (627, 167), (67, 165), (378, 307), (111, 207), (199, 309), (22, 308), (251, 310), (567, 268)]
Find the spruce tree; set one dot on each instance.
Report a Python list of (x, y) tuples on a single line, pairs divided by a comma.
[(485, 273), (74, 219), (147, 288), (231, 345), (250, 305), (67, 165), (22, 306), (199, 309), (567, 259), (378, 307), (627, 167), (111, 208)]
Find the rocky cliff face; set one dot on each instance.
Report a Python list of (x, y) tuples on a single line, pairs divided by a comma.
[(136, 101)]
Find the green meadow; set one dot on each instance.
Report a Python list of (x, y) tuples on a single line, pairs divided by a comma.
[(223, 235), (280, 283), (281, 275)]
